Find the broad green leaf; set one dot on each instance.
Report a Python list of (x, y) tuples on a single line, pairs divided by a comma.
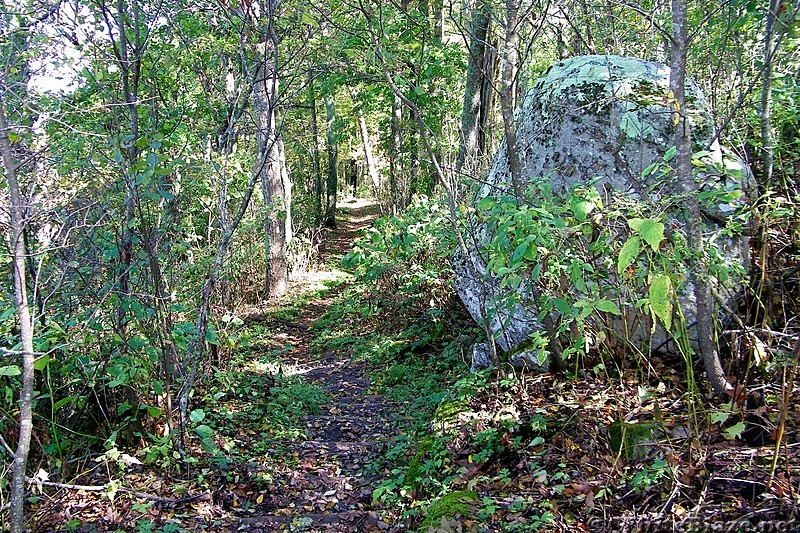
[(208, 445), (607, 306), (628, 254), (536, 441), (635, 223), (581, 207), (486, 203), (519, 252), (41, 362), (11, 370), (660, 301), (670, 154), (735, 431), (562, 305), (652, 232), (197, 415), (719, 416), (204, 431)]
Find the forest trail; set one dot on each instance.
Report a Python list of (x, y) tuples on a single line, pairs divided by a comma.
[(326, 484)]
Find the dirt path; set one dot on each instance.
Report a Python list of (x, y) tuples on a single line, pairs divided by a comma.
[(328, 488)]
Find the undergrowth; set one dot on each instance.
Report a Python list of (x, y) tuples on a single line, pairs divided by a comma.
[(522, 453)]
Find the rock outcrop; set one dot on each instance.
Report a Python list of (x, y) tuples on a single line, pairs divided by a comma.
[(598, 121)]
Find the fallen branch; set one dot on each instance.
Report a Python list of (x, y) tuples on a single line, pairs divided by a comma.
[(143, 495)]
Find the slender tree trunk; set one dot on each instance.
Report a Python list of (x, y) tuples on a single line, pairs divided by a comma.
[(507, 98), (265, 89), (438, 20), (17, 211), (332, 148), (766, 93), (286, 183), (473, 112), (372, 168), (394, 153), (706, 328), (194, 353), (315, 138)]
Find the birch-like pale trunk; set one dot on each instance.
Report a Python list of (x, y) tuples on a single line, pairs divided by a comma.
[(17, 211)]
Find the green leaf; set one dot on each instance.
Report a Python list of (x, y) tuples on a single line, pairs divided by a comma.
[(652, 232), (197, 415), (204, 431), (208, 445), (660, 301), (628, 254), (13, 136), (607, 306), (519, 253), (486, 203), (11, 370), (670, 154), (41, 362), (735, 431), (719, 416), (536, 441), (562, 305), (581, 207)]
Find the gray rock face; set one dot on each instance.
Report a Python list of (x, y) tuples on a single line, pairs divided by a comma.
[(599, 120)]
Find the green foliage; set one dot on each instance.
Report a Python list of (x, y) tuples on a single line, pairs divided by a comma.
[(599, 265), (406, 257)]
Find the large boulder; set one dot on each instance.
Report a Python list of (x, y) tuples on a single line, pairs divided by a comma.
[(595, 121)]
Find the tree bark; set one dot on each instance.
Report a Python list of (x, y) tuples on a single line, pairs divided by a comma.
[(394, 154), (315, 138), (331, 183), (265, 85), (17, 211), (372, 168), (706, 328), (507, 98), (287, 187), (766, 93), (474, 111)]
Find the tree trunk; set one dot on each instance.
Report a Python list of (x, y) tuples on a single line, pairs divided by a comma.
[(394, 153), (315, 138), (286, 183), (372, 169), (766, 93), (194, 353), (265, 87), (706, 332), (438, 20), (507, 98), (17, 211), (130, 73), (473, 113), (331, 181)]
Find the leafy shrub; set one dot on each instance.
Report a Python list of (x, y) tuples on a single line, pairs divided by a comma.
[(407, 256), (605, 267)]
